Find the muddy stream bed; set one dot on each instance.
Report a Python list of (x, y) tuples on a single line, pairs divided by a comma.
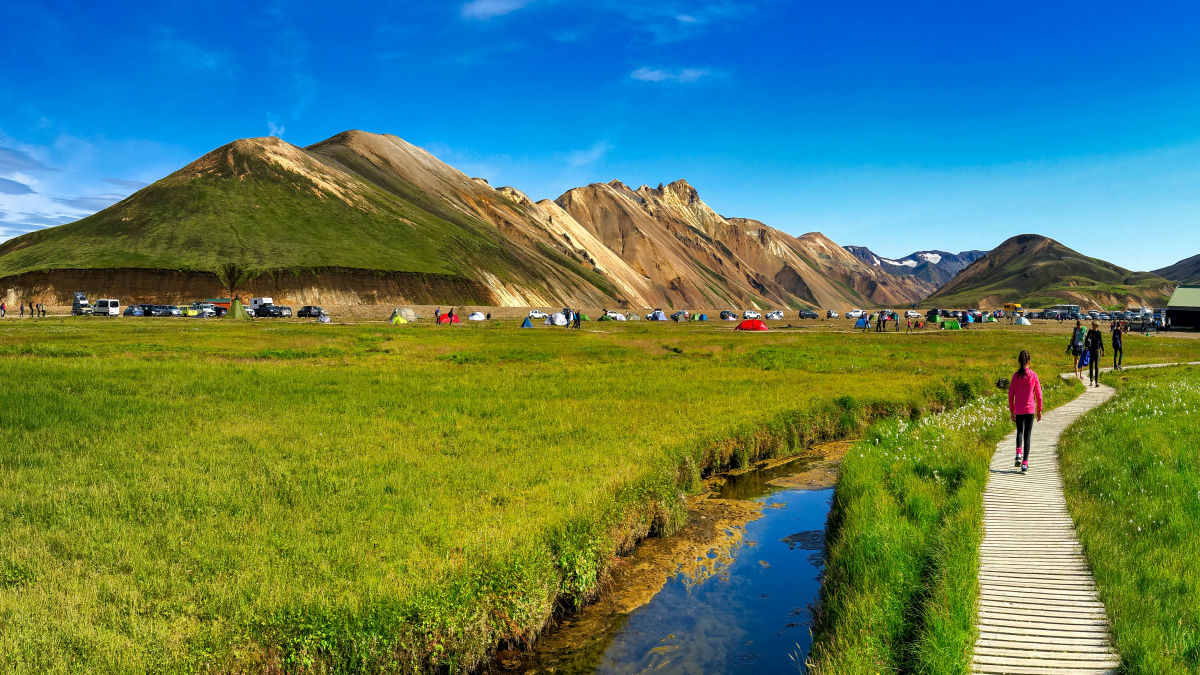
[(732, 592)]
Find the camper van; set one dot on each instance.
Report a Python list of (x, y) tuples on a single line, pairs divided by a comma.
[(80, 307), (107, 307), (255, 303)]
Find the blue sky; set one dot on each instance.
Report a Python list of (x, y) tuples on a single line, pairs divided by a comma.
[(900, 126)]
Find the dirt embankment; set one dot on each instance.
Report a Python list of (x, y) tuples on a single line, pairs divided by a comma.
[(323, 286)]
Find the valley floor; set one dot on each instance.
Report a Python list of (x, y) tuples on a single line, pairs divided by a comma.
[(185, 494)]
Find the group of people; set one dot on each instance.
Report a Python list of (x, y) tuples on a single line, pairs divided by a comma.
[(574, 317), (34, 309), (1087, 346)]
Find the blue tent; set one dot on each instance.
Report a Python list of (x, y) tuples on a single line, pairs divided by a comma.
[(526, 323), (862, 322), (703, 317)]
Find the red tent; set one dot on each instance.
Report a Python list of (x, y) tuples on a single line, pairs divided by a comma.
[(448, 318), (751, 324)]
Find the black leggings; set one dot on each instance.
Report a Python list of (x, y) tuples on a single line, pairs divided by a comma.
[(1024, 428), (1118, 356), (1094, 366)]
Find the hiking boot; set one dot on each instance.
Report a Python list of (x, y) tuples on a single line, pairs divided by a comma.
[(1024, 467)]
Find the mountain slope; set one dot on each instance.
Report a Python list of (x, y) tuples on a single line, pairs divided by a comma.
[(364, 217), (1038, 271), (1186, 271), (936, 267)]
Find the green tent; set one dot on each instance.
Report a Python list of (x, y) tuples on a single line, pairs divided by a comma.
[(951, 325), (583, 317), (605, 318), (237, 310)]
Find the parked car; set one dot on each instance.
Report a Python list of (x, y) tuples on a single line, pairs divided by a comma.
[(107, 307), (174, 310), (255, 303), (775, 315), (537, 314), (855, 314), (134, 310), (912, 314), (273, 311), (681, 315), (310, 312), (831, 314), (155, 310), (728, 315), (79, 306), (808, 314), (751, 314), (203, 309)]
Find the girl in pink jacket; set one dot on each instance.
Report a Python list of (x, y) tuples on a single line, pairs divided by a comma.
[(1024, 402)]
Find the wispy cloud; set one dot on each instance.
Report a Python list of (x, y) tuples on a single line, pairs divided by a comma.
[(581, 158), (127, 184), (12, 187), (486, 9), (678, 76), (12, 159), (191, 56), (274, 129), (90, 203)]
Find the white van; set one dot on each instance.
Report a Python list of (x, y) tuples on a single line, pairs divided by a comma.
[(255, 303), (107, 307)]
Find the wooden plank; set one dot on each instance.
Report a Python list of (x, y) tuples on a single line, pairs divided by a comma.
[(1038, 607)]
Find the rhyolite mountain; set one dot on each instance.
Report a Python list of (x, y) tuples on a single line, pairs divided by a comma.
[(1186, 271), (936, 267), (364, 217), (1038, 272)]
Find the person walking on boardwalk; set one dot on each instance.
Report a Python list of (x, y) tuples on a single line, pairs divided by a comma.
[(22, 308), (1075, 347), (1118, 352), (1024, 403), (1093, 343)]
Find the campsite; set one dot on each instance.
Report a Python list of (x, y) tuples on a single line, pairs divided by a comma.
[(365, 492)]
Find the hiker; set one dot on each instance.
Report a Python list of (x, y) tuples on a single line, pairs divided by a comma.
[(896, 320), (22, 308), (437, 315), (3, 309), (908, 328), (1118, 354), (43, 308), (1024, 403), (578, 318), (1075, 347), (450, 313), (1093, 343), (489, 316)]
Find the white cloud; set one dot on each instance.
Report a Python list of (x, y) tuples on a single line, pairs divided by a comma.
[(680, 76), (274, 129), (486, 9), (581, 158)]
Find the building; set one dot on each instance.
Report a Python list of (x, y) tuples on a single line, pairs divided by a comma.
[(1183, 311)]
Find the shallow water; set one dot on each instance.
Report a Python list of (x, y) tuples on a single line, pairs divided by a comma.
[(749, 611)]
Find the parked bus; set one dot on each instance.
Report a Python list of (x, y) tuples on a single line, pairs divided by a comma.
[(1011, 308)]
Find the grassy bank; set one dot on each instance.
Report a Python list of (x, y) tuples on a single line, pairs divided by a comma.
[(904, 533), (189, 495), (1132, 479)]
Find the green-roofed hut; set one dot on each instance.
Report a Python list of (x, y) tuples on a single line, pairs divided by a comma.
[(1183, 310)]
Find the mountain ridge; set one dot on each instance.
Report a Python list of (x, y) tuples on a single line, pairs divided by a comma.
[(935, 266)]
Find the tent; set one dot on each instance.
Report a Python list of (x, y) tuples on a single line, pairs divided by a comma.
[(950, 324), (448, 318), (398, 317), (1022, 321), (702, 317), (656, 315), (476, 316), (237, 310), (526, 323), (324, 318), (863, 322), (605, 317), (616, 316), (751, 324), (633, 316), (583, 317), (556, 319)]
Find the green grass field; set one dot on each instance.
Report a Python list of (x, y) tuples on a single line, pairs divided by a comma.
[(189, 495), (1132, 476)]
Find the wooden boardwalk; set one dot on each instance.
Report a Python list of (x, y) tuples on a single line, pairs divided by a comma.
[(1038, 609)]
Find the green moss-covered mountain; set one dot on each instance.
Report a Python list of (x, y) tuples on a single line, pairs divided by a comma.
[(364, 217), (1038, 271), (1186, 271)]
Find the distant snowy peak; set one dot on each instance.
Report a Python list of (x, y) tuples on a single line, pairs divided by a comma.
[(937, 267)]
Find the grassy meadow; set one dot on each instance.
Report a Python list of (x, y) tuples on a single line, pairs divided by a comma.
[(185, 495), (1132, 475)]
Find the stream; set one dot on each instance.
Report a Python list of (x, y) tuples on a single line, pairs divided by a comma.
[(736, 599)]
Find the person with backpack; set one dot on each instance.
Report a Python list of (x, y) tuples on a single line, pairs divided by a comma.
[(1024, 404), (437, 315), (1118, 352), (1075, 348), (1093, 344)]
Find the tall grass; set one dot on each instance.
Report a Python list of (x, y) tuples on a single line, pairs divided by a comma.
[(1132, 477), (189, 495)]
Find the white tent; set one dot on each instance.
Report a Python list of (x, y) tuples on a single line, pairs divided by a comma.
[(634, 316), (1022, 321), (556, 319), (476, 316), (656, 315), (616, 316)]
